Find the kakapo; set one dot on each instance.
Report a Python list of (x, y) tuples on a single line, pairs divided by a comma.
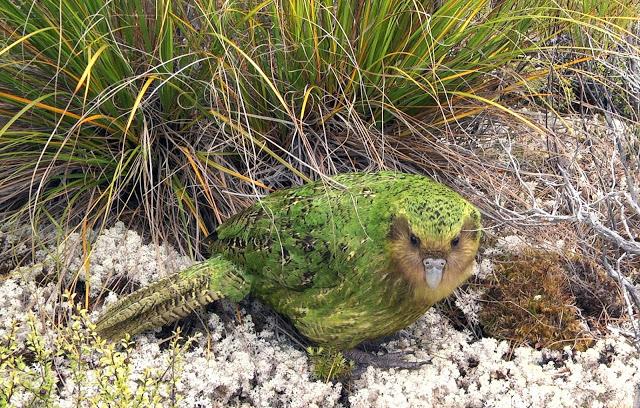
[(345, 261)]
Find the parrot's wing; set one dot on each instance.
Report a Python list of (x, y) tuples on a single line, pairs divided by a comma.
[(174, 297), (296, 239)]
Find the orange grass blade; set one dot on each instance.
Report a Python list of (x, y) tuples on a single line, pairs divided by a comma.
[(58, 110)]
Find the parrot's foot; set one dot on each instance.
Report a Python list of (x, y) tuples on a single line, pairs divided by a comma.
[(390, 360), (379, 345)]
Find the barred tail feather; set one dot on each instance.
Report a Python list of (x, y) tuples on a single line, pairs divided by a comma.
[(174, 297)]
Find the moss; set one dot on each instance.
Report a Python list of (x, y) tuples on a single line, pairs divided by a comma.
[(529, 301)]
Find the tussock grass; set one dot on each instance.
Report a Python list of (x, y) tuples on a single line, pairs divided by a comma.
[(173, 114)]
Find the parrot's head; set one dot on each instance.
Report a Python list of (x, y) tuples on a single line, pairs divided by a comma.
[(433, 242)]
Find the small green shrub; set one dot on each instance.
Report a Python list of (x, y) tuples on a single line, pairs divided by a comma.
[(99, 373), (329, 364)]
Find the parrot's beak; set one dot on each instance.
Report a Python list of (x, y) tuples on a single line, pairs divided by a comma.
[(433, 268)]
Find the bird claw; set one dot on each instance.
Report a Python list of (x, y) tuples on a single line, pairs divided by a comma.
[(396, 359), (379, 345)]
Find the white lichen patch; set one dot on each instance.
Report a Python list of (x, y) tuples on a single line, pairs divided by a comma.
[(483, 269), (511, 244), (119, 253), (20, 298), (486, 373), (234, 364), (241, 368), (468, 303)]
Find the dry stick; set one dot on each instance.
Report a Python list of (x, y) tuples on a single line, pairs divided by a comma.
[(632, 203), (590, 218), (623, 159), (629, 247), (628, 290)]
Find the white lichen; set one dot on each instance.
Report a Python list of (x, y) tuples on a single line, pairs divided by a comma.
[(119, 253), (484, 373), (20, 298), (234, 364), (511, 244), (468, 303), (483, 269)]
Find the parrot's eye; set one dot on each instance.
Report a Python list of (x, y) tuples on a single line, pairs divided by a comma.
[(455, 241), (415, 241)]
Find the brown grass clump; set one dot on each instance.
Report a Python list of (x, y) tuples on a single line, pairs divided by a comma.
[(530, 301)]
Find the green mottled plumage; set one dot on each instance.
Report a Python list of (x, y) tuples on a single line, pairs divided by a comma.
[(335, 258)]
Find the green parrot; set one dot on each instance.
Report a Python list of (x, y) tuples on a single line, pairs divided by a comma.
[(348, 260)]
